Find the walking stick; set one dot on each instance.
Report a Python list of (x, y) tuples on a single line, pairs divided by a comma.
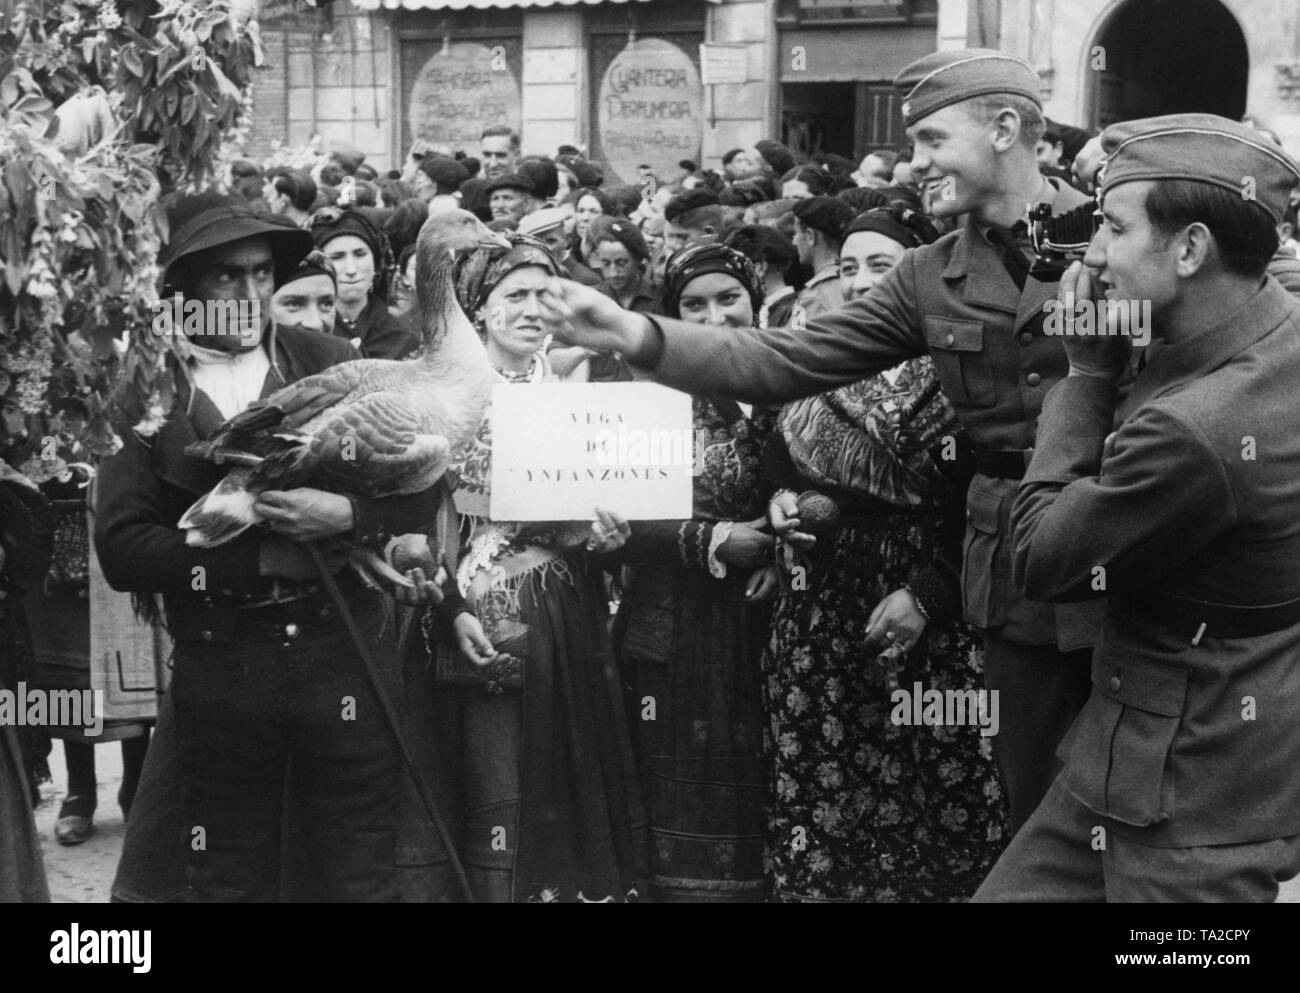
[(390, 713)]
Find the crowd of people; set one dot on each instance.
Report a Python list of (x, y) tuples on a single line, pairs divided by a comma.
[(890, 449)]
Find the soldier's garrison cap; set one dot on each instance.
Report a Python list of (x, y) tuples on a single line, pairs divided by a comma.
[(1203, 148), (948, 77)]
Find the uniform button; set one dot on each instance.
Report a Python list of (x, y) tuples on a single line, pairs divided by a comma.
[(1114, 684), (1033, 379), (1027, 338), (949, 340), (291, 631), (205, 635), (324, 612)]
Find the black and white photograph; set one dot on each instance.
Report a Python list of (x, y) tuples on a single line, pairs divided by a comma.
[(650, 451)]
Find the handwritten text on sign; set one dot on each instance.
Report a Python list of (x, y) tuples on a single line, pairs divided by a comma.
[(650, 109), (560, 450)]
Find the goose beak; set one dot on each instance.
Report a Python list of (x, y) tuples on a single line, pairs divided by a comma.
[(492, 239)]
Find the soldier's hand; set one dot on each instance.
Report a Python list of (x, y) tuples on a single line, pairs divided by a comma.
[(583, 316), (1098, 354)]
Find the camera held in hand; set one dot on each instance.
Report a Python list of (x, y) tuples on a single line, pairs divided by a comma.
[(1061, 239)]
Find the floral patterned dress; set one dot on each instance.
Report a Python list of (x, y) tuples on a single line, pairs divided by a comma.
[(866, 810)]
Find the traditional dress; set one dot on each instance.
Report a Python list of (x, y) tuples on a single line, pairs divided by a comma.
[(535, 756), (867, 809), (690, 645)]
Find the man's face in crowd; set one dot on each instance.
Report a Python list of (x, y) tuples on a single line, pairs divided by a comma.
[(497, 156), (557, 241), (953, 160), (307, 302), (1127, 255), (865, 257), (1048, 153), (747, 165), (241, 270), (677, 237), (508, 205), (425, 188), (805, 240)]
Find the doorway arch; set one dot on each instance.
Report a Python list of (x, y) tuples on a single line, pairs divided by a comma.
[(1166, 57)]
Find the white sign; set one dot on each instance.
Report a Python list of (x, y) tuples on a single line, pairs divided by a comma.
[(723, 63), (560, 450)]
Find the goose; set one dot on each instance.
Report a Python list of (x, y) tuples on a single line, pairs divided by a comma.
[(375, 427)]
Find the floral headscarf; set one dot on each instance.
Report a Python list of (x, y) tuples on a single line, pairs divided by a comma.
[(698, 260), (481, 271)]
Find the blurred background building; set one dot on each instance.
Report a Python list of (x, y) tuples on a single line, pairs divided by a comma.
[(658, 81)]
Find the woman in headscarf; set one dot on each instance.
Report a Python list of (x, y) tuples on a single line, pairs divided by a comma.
[(693, 622), (532, 739), (363, 264), (868, 808)]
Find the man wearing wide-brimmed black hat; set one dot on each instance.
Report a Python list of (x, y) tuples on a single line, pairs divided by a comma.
[(263, 670)]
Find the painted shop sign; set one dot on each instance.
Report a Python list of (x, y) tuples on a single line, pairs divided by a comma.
[(650, 109), (460, 92)]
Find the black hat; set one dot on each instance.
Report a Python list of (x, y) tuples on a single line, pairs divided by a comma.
[(445, 171), (743, 194), (608, 228), (829, 215), (543, 175), (510, 181), (689, 200), (760, 243), (203, 221), (777, 155), (586, 173), (315, 264)]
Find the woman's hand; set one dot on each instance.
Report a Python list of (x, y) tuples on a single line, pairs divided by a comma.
[(423, 590), (471, 640), (746, 546), (783, 517), (586, 317), (763, 584), (609, 532), (895, 621)]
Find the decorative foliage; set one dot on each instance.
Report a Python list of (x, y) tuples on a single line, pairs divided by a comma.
[(104, 107)]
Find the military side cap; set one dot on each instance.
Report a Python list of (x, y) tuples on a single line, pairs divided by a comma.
[(1203, 148), (949, 77), (689, 200), (540, 221)]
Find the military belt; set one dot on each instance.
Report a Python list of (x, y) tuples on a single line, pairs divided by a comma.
[(1003, 464), (1217, 620)]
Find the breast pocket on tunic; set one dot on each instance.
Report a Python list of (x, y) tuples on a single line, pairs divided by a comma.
[(1120, 752), (960, 360)]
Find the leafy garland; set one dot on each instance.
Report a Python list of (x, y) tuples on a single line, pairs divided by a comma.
[(104, 107)]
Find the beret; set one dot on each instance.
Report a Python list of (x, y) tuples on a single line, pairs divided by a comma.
[(510, 181), (777, 155), (541, 221), (943, 78), (689, 200), (742, 194), (620, 229), (907, 227), (587, 174), (543, 175), (444, 170), (762, 244), (1203, 148), (829, 215)]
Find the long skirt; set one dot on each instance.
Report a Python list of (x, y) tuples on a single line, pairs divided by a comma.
[(867, 809)]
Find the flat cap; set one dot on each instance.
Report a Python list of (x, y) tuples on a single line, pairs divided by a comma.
[(948, 77), (689, 200), (1203, 148), (540, 221), (829, 215), (510, 181)]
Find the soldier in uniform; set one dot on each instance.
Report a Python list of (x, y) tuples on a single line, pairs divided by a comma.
[(1180, 773), (975, 118)]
